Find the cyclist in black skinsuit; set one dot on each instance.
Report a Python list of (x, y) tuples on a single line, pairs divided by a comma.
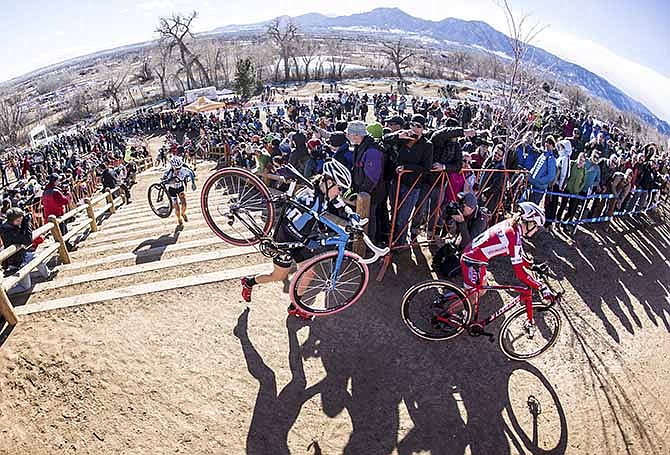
[(325, 197)]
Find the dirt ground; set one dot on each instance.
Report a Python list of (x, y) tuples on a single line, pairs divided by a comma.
[(195, 371)]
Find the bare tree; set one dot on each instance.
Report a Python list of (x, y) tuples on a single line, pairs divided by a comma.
[(337, 58), (11, 119), (175, 31), (575, 95), (161, 69), (113, 89), (398, 54), (144, 73), (308, 48), (284, 36), (459, 60)]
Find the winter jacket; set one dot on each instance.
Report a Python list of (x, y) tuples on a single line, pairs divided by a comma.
[(575, 183), (446, 151), (53, 202), (527, 155), (563, 166), (418, 158), (592, 177), (368, 167), (543, 171), (16, 235)]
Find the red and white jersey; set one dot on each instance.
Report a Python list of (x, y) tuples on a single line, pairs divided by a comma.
[(502, 239)]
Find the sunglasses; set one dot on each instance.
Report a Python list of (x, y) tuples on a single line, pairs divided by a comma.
[(416, 125)]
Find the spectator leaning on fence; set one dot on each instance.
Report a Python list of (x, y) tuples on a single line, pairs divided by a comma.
[(17, 230), (55, 201), (543, 171)]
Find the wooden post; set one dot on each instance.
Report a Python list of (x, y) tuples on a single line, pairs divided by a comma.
[(6, 308), (58, 236), (363, 210), (91, 215), (110, 200)]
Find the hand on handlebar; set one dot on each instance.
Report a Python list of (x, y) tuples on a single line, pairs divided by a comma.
[(548, 294)]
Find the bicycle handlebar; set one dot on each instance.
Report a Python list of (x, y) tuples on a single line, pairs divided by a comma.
[(376, 251), (544, 272)]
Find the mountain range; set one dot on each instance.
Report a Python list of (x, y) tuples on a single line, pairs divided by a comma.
[(450, 33)]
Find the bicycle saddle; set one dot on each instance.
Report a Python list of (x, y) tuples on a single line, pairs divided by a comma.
[(294, 174)]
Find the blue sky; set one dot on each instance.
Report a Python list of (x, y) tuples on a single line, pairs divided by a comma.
[(625, 41)]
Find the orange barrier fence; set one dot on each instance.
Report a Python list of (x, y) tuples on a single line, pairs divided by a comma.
[(423, 199)]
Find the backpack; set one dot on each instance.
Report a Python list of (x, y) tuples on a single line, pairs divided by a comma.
[(446, 261)]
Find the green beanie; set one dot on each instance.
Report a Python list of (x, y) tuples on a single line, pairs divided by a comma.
[(375, 130)]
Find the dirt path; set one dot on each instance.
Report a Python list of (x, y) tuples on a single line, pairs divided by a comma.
[(192, 371)]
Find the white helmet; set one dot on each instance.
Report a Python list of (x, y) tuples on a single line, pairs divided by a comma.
[(176, 162), (530, 211), (338, 172)]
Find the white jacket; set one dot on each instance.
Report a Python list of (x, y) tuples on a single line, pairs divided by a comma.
[(563, 163)]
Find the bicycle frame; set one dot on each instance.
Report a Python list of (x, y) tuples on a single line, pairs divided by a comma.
[(525, 296)]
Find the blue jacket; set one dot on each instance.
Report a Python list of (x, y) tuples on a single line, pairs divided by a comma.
[(592, 175), (527, 156), (543, 171)]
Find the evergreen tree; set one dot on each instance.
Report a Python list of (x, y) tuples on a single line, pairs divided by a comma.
[(244, 77)]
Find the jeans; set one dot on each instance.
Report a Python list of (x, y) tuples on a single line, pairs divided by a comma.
[(407, 200), (26, 283)]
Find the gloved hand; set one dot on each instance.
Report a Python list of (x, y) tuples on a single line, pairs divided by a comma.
[(547, 294), (193, 186)]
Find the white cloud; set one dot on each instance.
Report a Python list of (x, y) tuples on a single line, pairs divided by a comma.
[(638, 81)]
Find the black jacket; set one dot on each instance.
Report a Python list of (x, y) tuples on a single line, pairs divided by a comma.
[(16, 235), (418, 158), (446, 151)]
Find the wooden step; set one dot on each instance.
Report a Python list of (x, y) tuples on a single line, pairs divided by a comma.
[(83, 252), (145, 288), (141, 268)]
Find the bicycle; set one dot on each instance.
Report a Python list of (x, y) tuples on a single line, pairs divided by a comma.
[(159, 200), (437, 310), (239, 209)]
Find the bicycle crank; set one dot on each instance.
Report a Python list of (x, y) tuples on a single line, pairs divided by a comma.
[(476, 330)]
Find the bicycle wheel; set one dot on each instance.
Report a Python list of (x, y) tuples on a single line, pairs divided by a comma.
[(159, 201), (311, 289), (436, 310), (519, 340), (237, 206)]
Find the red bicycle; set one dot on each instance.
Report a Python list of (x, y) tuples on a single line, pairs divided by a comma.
[(437, 310)]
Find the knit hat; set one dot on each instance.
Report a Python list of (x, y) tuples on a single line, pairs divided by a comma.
[(337, 139), (468, 199), (420, 119), (375, 130), (356, 128)]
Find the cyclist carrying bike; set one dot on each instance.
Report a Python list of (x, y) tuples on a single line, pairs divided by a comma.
[(505, 239), (326, 197), (175, 180)]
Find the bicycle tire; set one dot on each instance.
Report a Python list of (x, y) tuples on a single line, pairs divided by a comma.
[(543, 316), (159, 200), (353, 280), (420, 318), (243, 205)]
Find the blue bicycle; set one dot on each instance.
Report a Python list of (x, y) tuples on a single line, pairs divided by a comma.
[(239, 209)]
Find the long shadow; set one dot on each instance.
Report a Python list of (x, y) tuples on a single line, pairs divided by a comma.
[(454, 392), (274, 413), (5, 331), (151, 250)]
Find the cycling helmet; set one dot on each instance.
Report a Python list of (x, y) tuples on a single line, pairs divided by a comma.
[(176, 162), (530, 211), (338, 172)]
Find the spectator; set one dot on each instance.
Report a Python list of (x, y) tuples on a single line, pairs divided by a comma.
[(17, 230), (526, 152), (55, 201), (543, 171), (491, 183), (574, 186), (368, 167), (415, 153), (558, 185), (471, 221)]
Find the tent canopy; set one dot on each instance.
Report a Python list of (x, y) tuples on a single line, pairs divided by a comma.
[(203, 104)]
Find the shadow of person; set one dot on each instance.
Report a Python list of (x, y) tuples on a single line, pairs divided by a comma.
[(5, 331), (151, 250), (274, 414)]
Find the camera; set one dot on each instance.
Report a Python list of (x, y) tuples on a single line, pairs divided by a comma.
[(452, 208)]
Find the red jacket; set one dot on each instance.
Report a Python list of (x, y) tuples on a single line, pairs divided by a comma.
[(54, 202)]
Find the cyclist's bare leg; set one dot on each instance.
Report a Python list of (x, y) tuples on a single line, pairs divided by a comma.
[(277, 274), (177, 211), (305, 281), (182, 203)]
